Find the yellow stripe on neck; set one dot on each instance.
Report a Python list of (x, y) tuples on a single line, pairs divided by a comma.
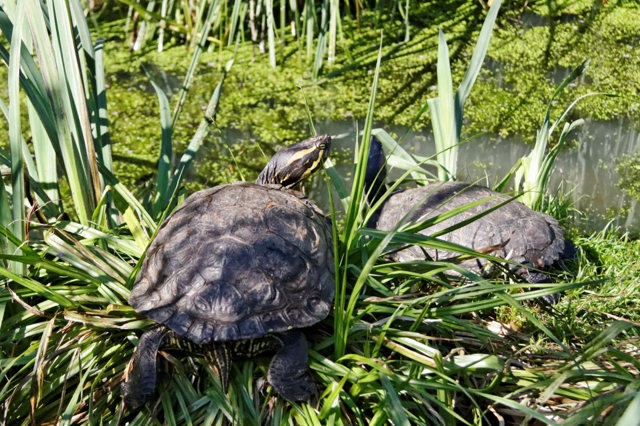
[(296, 157)]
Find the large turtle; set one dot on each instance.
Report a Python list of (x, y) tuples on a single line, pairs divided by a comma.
[(513, 231), (234, 271)]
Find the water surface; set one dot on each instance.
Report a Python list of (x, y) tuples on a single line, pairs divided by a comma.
[(586, 171)]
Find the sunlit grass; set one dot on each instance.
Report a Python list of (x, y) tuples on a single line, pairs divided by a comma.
[(406, 344)]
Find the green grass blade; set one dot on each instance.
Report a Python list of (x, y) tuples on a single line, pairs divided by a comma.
[(29, 67), (103, 133), (603, 339), (193, 65), (577, 72), (118, 243), (398, 157), (46, 164), (163, 15), (81, 29), (271, 30), (438, 124), (337, 183), (477, 59), (309, 26), (334, 16), (6, 217), (164, 162), (63, 115), (130, 200), (39, 362), (42, 173), (520, 407), (445, 114), (101, 118), (77, 105), (67, 416), (321, 45), (353, 219), (535, 168), (631, 416), (394, 406), (136, 228), (357, 189), (35, 286), (55, 268), (573, 104), (234, 21), (15, 135)]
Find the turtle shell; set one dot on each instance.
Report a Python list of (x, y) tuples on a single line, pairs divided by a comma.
[(526, 236), (237, 262)]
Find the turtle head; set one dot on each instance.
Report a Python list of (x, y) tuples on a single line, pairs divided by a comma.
[(296, 162), (376, 173)]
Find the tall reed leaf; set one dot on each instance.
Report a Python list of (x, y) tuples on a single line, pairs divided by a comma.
[(446, 110), (271, 32), (164, 162), (102, 127), (15, 137), (69, 56), (532, 176), (6, 217), (70, 138), (321, 44), (353, 220), (334, 16), (195, 61)]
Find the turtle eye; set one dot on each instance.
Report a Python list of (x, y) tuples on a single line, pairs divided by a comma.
[(322, 146)]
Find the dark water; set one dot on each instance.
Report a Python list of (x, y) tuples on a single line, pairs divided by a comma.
[(585, 172)]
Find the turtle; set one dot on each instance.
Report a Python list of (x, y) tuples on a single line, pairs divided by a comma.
[(236, 271), (530, 240)]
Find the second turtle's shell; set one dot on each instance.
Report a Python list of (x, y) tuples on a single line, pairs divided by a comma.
[(526, 236), (237, 262)]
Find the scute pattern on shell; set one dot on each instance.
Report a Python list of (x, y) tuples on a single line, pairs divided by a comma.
[(236, 262), (531, 237)]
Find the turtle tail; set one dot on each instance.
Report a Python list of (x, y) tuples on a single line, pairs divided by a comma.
[(142, 379)]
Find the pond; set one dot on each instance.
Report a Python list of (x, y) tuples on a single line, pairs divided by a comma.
[(585, 172)]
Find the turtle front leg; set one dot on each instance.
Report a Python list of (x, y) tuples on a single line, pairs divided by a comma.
[(289, 370), (536, 277), (142, 379)]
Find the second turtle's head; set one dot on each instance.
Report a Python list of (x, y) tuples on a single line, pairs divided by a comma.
[(296, 162)]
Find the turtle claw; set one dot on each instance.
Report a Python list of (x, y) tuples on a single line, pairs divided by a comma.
[(298, 387)]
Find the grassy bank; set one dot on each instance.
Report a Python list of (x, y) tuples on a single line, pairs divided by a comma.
[(442, 351)]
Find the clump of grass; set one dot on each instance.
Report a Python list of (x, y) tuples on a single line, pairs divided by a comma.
[(532, 173), (389, 353)]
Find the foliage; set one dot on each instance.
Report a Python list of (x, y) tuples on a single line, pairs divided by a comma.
[(64, 277), (309, 22), (526, 61), (533, 171), (404, 345)]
